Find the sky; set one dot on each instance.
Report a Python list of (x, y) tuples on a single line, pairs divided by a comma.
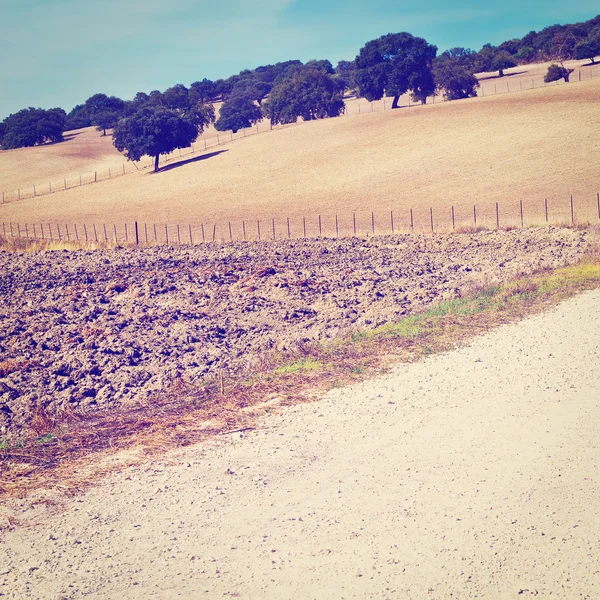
[(60, 52)]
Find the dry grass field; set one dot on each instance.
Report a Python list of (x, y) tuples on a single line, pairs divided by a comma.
[(82, 152), (527, 145)]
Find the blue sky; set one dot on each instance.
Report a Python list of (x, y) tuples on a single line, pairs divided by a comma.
[(60, 52)]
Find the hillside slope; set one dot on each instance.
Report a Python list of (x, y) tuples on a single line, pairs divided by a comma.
[(524, 145)]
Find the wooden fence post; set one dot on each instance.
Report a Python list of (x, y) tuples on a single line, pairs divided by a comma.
[(67, 228), (166, 233), (497, 217), (288, 228), (598, 198), (373, 222), (273, 224), (230, 234), (431, 218), (392, 220), (178, 232), (190, 226), (453, 224), (214, 232), (95, 233), (337, 229), (572, 212), (412, 223), (85, 232), (320, 230), (137, 234), (546, 208), (474, 216), (354, 219), (521, 209), (244, 229), (258, 228), (203, 238), (304, 226)]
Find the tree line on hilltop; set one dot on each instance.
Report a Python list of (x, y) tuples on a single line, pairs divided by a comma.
[(156, 123)]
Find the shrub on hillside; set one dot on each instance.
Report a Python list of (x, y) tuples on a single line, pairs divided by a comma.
[(556, 72)]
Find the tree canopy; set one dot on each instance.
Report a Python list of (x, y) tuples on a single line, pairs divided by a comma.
[(502, 60), (33, 126), (393, 65), (306, 92), (104, 111), (156, 130), (590, 48), (78, 118), (345, 72), (238, 113), (453, 71)]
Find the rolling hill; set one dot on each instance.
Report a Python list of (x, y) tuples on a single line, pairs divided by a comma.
[(528, 145)]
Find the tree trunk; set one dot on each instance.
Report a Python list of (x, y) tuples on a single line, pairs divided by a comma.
[(104, 132), (395, 102), (501, 73), (156, 163)]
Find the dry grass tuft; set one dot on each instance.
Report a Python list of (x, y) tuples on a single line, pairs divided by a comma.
[(16, 244)]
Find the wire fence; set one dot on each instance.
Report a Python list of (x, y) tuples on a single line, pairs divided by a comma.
[(569, 211), (203, 144), (491, 86)]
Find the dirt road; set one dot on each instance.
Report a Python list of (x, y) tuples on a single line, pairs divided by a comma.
[(471, 474)]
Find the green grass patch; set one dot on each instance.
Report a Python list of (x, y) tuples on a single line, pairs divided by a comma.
[(301, 365)]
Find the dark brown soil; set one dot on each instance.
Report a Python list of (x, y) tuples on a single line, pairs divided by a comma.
[(90, 330)]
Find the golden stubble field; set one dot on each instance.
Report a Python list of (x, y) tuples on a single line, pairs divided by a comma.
[(527, 145)]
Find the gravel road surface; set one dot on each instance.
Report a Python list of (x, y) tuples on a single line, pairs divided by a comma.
[(472, 474)]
